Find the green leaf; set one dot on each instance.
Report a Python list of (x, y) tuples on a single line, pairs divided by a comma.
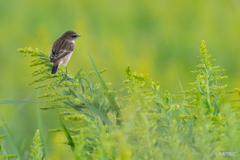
[(208, 105), (92, 107), (190, 132), (89, 84), (8, 139), (64, 79), (66, 133), (71, 80), (3, 150), (77, 107), (212, 88), (78, 73), (110, 98), (72, 92), (202, 90), (80, 79), (114, 95), (65, 92), (67, 78), (82, 86), (74, 105), (216, 106), (14, 101)]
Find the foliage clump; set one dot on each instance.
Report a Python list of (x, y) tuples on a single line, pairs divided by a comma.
[(150, 124), (37, 153)]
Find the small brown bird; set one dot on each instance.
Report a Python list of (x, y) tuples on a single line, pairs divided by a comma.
[(62, 50)]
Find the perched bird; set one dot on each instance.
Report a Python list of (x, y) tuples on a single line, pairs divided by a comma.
[(62, 50)]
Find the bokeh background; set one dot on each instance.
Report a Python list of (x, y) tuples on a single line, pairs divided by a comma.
[(159, 37)]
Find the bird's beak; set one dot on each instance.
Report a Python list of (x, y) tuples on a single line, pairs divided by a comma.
[(78, 35)]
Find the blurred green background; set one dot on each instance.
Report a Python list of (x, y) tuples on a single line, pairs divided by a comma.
[(160, 38)]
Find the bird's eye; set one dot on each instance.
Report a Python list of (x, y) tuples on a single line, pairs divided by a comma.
[(73, 36)]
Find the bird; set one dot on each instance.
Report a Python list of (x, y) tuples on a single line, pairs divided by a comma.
[(62, 50)]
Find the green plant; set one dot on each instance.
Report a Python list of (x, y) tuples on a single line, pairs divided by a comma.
[(3, 151), (151, 124), (37, 153)]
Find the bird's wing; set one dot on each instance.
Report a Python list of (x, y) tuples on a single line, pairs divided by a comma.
[(60, 49), (63, 54)]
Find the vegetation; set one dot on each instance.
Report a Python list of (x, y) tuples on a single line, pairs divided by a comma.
[(37, 152), (146, 123)]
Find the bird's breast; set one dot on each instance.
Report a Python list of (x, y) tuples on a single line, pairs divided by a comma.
[(65, 59)]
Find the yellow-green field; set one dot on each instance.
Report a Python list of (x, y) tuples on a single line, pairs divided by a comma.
[(159, 39)]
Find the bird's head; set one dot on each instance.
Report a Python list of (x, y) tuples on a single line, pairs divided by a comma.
[(70, 35)]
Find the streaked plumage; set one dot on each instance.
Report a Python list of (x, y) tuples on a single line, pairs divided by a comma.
[(62, 50)]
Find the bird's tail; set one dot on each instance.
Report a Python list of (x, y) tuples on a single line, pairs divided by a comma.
[(54, 69)]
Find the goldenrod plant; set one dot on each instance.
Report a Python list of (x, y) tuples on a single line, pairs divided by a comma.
[(146, 123), (36, 148)]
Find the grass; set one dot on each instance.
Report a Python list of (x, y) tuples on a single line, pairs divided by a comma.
[(150, 124)]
